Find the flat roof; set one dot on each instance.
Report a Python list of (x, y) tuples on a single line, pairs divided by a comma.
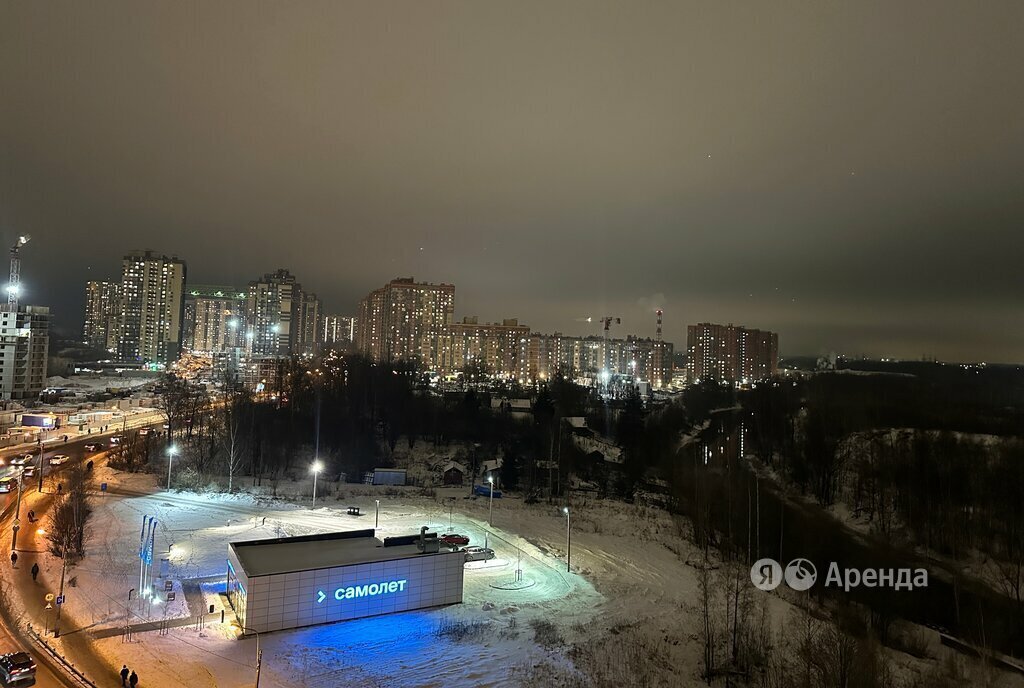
[(323, 551)]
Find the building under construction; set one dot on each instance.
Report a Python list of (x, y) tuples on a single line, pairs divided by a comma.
[(24, 339)]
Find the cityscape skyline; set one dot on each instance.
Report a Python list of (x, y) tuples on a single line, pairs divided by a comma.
[(856, 190)]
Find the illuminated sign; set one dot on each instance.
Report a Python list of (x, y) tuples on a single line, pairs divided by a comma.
[(370, 590)]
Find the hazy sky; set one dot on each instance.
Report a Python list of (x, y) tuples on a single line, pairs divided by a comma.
[(849, 174)]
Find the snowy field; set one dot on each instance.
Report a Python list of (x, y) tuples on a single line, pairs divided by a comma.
[(632, 591), (472, 644)]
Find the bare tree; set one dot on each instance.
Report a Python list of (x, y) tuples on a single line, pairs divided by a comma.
[(69, 516), (235, 411)]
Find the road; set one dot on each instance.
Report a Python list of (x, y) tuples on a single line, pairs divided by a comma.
[(46, 677)]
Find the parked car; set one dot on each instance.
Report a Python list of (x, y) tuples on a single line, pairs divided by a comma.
[(7, 484), (454, 539), (478, 553), (94, 447), (17, 669), (58, 459), (29, 471), (485, 491)]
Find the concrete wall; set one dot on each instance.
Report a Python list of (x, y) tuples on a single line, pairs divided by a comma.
[(290, 600)]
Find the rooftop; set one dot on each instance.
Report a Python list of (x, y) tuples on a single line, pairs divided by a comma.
[(308, 552)]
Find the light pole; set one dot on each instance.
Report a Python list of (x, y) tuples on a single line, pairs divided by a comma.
[(40, 487), (17, 511), (315, 468), (490, 505), (60, 596), (568, 541), (171, 451), (259, 652), (376, 515)]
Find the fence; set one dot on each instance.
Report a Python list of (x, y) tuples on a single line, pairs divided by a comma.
[(62, 662)]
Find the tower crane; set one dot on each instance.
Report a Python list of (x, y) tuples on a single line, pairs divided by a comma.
[(14, 285), (607, 321)]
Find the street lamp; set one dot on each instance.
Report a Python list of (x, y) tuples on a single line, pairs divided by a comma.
[(376, 515), (490, 505), (171, 451), (315, 469), (259, 652), (568, 542), (17, 511)]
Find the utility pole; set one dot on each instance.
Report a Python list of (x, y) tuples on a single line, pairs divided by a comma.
[(40, 487), (60, 596), (17, 512)]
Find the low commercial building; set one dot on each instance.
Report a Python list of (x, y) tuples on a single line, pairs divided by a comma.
[(284, 583)]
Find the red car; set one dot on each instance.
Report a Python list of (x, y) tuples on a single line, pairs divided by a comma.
[(454, 539)]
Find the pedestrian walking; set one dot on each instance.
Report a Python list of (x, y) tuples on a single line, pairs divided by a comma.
[(133, 680), (124, 674), (35, 571), (60, 487), (14, 558), (31, 516)]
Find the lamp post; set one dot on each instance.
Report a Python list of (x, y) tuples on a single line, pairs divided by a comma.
[(17, 511), (315, 468), (376, 515), (568, 541), (60, 596), (490, 505), (171, 451), (259, 652), (40, 486)]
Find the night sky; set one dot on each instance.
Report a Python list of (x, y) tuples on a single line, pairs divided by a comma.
[(849, 174)]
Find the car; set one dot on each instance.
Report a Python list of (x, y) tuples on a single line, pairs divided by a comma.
[(485, 491), (454, 539), (58, 459), (116, 439), (29, 471), (17, 669), (22, 459), (7, 484), (478, 553), (145, 431), (94, 447)]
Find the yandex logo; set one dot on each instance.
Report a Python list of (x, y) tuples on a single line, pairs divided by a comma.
[(369, 590)]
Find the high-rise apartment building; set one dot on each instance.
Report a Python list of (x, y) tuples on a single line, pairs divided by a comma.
[(281, 319), (24, 345), (152, 308), (643, 359), (102, 315), (731, 353), (339, 330), (407, 321), (309, 335), (498, 349), (215, 319)]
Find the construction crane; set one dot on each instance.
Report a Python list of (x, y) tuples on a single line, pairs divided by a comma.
[(14, 285), (607, 322), (658, 358)]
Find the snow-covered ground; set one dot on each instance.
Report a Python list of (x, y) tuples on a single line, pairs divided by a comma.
[(631, 589), (401, 649)]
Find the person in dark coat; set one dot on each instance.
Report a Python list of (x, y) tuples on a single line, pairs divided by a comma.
[(14, 558), (35, 570), (133, 680), (124, 674)]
